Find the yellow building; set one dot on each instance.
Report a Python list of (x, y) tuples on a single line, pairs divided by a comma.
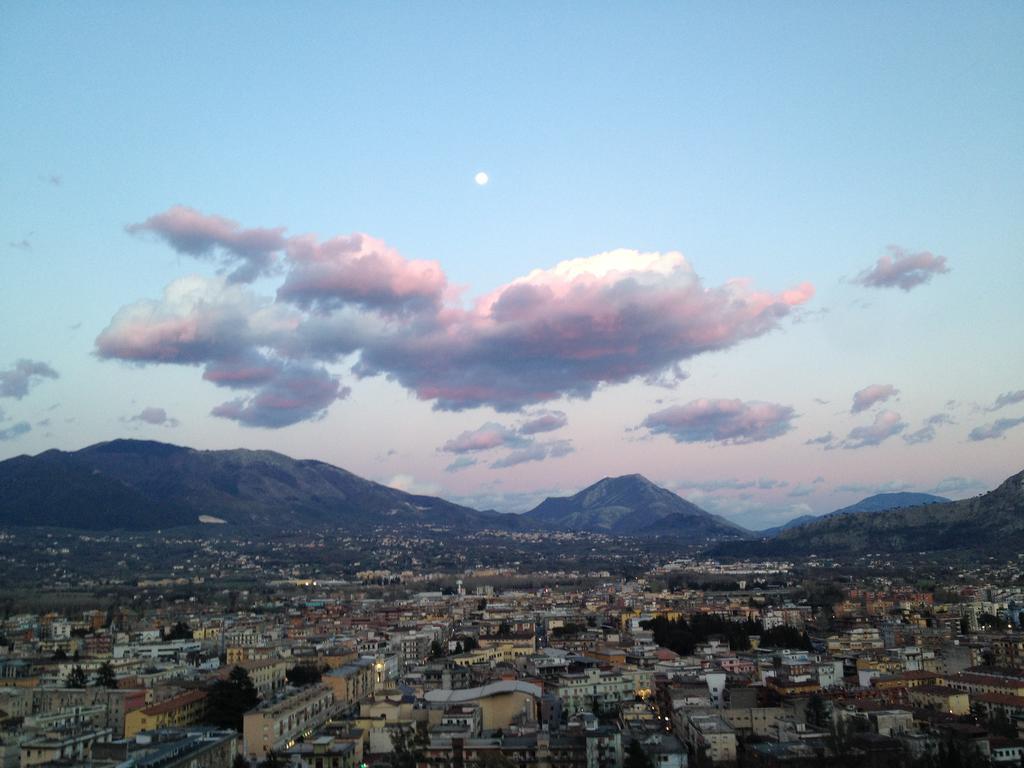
[(353, 682), (188, 708), (941, 698), (501, 702), (278, 724)]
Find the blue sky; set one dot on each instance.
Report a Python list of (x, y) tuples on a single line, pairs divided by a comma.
[(789, 146)]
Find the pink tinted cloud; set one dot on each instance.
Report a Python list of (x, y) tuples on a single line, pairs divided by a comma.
[(543, 421), (485, 438), (535, 452), (17, 380), (567, 330), (558, 332), (359, 269), (197, 320), (872, 395), (732, 422), (904, 270), (886, 424), (252, 251)]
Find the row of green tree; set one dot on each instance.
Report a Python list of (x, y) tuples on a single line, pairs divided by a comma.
[(683, 635)]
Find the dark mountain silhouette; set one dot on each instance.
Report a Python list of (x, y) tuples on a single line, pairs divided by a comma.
[(991, 523), (880, 502), (631, 504), (142, 485)]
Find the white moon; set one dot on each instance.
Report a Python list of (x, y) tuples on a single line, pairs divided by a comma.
[(481, 178)]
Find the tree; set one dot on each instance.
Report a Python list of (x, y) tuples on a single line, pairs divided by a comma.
[(635, 756), (273, 760), (436, 649), (59, 655), (75, 678), (407, 746), (816, 710), (105, 677), (240, 762), (230, 699), (304, 674), (180, 631)]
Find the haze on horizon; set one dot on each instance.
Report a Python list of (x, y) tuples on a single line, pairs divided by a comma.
[(769, 259)]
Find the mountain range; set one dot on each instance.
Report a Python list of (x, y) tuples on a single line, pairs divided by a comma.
[(992, 523), (880, 502), (137, 485), (145, 485)]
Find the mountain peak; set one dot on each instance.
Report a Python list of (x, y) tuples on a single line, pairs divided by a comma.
[(629, 504)]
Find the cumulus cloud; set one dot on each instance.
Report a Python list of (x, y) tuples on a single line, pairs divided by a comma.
[(927, 431), (198, 320), (553, 333), (297, 393), (359, 270), (485, 438), (904, 270), (996, 430), (155, 416), (15, 430), (463, 462), (732, 422), (18, 380), (535, 452), (886, 424), (252, 252), (872, 395), (543, 421), (1007, 398), (670, 378), (565, 331)]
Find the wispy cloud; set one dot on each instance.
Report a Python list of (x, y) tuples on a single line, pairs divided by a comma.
[(543, 421), (535, 452), (1007, 398), (24, 375), (155, 416), (926, 433), (886, 424), (902, 269), (994, 431), (732, 422), (251, 252), (825, 440), (462, 462), (485, 438), (871, 395), (15, 430)]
